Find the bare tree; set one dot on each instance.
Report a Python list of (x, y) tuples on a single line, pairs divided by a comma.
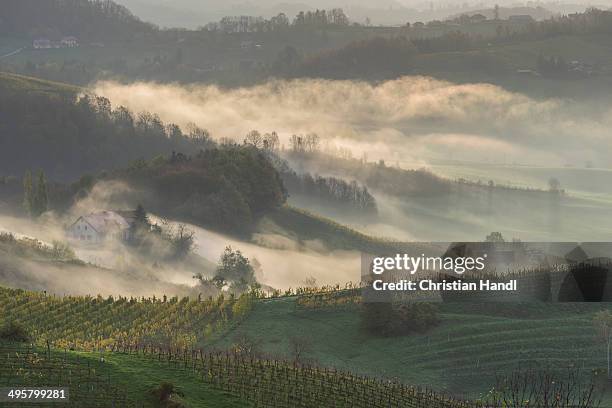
[(603, 324), (546, 388), (246, 345), (254, 138), (310, 282), (271, 141), (299, 346)]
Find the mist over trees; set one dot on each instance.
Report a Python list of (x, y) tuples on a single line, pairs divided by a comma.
[(234, 269), (225, 188), (333, 191), (67, 137)]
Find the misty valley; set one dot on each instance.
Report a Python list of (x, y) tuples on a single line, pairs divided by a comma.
[(187, 214)]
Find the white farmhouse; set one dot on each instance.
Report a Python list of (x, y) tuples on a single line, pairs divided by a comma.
[(69, 42), (42, 43), (99, 226)]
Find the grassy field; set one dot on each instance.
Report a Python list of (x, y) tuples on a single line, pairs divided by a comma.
[(462, 355), (137, 375)]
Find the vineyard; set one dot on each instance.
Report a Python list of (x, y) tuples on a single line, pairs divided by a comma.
[(276, 383), (333, 299), (87, 323), (24, 366), (120, 339)]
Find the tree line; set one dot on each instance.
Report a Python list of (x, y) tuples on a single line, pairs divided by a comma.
[(304, 19), (68, 136), (344, 194), (88, 20), (389, 57), (348, 195)]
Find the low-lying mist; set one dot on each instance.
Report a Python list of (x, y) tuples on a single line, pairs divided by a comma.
[(113, 268), (109, 268), (283, 263), (477, 131), (411, 120)]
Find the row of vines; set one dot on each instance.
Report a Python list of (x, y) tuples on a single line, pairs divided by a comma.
[(25, 367), (85, 322)]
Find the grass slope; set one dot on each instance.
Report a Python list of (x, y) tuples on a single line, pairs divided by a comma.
[(304, 225), (138, 375), (25, 83), (463, 354)]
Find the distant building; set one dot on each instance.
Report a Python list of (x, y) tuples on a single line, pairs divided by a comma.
[(69, 42), (100, 226), (65, 42), (581, 67), (521, 18), (42, 43)]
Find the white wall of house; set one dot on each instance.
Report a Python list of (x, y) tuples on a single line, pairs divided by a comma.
[(82, 231)]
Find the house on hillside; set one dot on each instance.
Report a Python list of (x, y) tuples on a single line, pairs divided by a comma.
[(45, 43), (42, 43), (69, 42), (99, 226)]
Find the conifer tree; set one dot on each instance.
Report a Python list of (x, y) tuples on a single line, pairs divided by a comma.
[(28, 194), (140, 216), (40, 199)]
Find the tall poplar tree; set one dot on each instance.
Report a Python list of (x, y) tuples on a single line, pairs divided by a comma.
[(40, 199), (28, 192)]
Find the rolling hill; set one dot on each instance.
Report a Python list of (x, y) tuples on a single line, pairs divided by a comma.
[(463, 355)]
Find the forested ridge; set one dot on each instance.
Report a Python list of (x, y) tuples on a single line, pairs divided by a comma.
[(405, 53), (89, 20), (68, 136)]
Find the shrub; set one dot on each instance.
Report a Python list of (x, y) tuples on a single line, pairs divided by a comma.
[(165, 390), (385, 319), (14, 331), (415, 317)]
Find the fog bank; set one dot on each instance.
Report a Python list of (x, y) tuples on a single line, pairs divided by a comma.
[(411, 119)]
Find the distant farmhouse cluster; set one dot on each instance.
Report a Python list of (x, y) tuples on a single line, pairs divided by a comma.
[(99, 226), (65, 42)]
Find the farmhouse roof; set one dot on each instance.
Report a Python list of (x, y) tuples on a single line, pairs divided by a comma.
[(103, 221)]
